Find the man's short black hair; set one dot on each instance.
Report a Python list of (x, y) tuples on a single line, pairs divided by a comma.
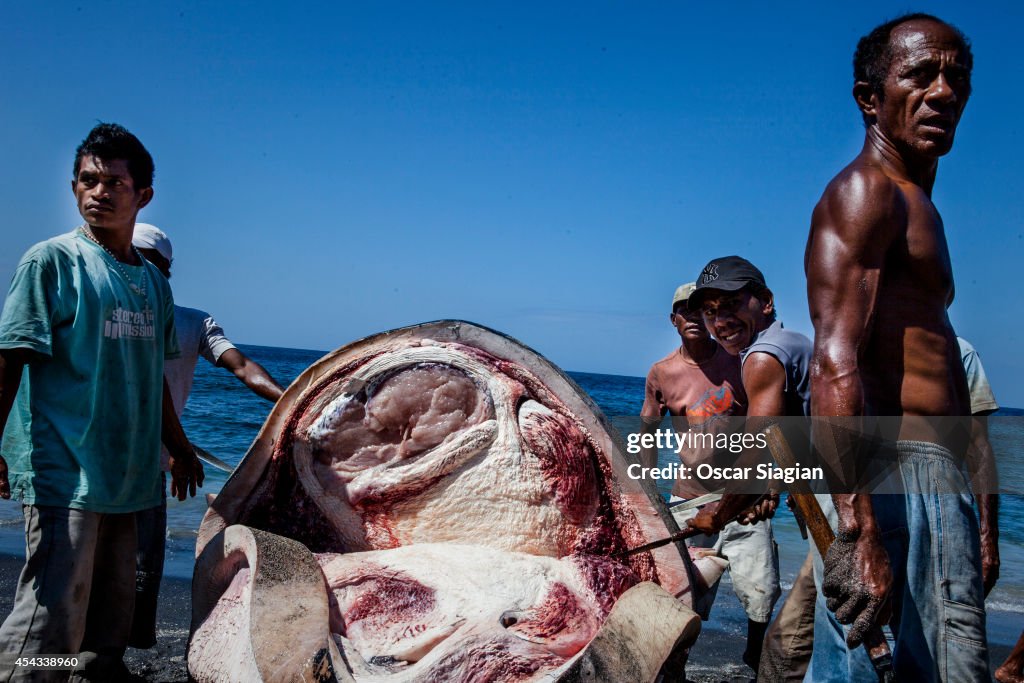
[(760, 293), (874, 53), (109, 141)]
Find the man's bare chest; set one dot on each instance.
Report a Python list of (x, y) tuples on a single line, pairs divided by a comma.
[(920, 262)]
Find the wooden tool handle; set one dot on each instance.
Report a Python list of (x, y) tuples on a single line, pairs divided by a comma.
[(821, 532)]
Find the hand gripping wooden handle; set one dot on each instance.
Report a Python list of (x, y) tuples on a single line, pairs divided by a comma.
[(821, 532)]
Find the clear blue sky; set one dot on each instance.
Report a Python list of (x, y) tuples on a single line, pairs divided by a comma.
[(551, 170)]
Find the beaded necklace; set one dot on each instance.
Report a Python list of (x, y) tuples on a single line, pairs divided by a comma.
[(137, 288)]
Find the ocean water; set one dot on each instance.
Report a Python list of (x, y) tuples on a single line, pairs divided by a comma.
[(223, 417)]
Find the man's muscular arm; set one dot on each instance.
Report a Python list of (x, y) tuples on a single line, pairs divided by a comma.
[(852, 229), (764, 380)]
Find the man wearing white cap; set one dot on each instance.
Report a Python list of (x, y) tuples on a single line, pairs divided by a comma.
[(701, 382), (198, 335)]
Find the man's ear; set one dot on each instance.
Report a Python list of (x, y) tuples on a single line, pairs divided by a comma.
[(767, 302), (145, 196), (866, 98)]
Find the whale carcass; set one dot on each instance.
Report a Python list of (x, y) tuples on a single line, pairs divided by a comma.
[(437, 502)]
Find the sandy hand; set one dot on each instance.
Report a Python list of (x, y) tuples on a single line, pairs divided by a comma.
[(857, 583)]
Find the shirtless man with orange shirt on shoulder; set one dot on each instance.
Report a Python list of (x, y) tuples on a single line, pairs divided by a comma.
[(701, 382)]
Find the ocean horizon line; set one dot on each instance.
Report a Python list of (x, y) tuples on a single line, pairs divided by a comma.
[(1002, 412)]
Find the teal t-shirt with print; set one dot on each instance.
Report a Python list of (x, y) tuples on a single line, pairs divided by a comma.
[(84, 431)]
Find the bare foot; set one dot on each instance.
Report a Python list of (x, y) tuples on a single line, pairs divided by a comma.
[(1012, 670), (1009, 674)]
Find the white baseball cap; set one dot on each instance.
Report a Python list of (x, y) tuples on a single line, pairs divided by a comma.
[(148, 236)]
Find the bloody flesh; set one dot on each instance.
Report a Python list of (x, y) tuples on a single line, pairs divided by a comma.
[(466, 502)]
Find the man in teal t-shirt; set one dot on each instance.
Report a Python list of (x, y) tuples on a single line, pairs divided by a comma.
[(84, 333)]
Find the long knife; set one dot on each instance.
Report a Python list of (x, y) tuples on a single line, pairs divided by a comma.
[(211, 459), (683, 534), (678, 536)]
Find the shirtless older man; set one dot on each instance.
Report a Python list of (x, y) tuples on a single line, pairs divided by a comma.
[(879, 280)]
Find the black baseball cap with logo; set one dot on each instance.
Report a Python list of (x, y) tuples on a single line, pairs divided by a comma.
[(727, 274)]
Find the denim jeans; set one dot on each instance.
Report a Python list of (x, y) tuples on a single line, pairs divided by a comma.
[(938, 622)]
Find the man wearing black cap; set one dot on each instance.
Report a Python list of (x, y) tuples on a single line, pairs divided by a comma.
[(739, 310)]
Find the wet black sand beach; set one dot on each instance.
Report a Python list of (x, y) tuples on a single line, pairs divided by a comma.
[(715, 658), (163, 663)]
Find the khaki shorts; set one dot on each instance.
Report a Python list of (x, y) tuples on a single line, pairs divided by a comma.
[(753, 562)]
